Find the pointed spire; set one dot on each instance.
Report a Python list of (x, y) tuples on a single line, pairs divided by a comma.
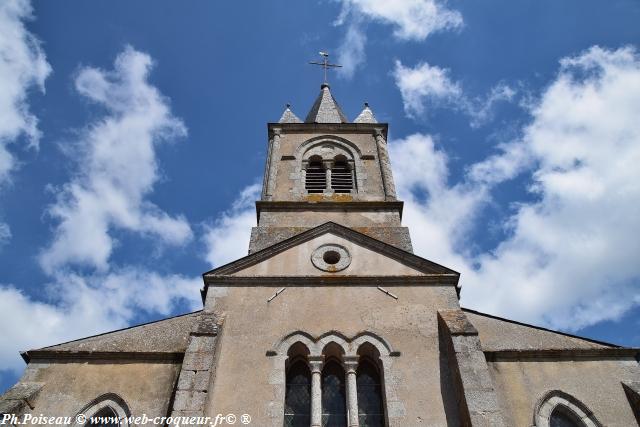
[(288, 116), (366, 116), (325, 109)]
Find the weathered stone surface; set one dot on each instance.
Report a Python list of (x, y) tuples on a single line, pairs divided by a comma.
[(197, 361), (167, 335), (502, 334), (263, 237)]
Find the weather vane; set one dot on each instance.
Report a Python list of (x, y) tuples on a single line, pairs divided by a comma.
[(325, 64)]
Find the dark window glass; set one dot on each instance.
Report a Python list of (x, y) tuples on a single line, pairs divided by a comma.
[(341, 177), (562, 417), (334, 408), (105, 417), (316, 178), (297, 401), (370, 406)]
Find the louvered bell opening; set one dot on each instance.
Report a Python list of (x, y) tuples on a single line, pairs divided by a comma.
[(316, 180), (341, 178)]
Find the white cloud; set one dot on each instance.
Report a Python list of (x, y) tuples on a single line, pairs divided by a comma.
[(570, 256), (227, 238), (85, 306), (23, 65), (431, 86), (410, 19), (117, 168), (424, 84), (5, 234)]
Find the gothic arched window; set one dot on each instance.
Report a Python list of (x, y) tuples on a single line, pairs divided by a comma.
[(105, 417), (559, 409), (297, 403), (341, 175), (315, 177), (562, 417), (107, 410), (334, 409), (370, 405)]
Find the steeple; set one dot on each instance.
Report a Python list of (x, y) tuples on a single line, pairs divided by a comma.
[(288, 116), (366, 116), (325, 109)]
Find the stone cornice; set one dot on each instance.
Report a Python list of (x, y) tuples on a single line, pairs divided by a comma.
[(46, 355), (332, 280), (561, 354), (335, 128), (328, 206)]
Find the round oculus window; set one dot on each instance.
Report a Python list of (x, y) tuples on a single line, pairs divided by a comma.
[(331, 258)]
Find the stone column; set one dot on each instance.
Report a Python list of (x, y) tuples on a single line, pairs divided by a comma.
[(328, 164), (350, 366), (385, 166), (271, 170), (315, 362)]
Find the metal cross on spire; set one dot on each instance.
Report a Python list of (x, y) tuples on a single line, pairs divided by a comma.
[(325, 64)]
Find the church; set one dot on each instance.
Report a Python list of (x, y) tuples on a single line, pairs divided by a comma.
[(330, 320)]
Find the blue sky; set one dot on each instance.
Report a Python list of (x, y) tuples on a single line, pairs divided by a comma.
[(134, 137)]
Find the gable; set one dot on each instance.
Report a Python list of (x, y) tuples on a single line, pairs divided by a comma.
[(354, 259), (295, 257)]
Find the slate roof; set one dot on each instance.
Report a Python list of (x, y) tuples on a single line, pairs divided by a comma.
[(366, 116), (166, 335), (326, 109), (288, 116)]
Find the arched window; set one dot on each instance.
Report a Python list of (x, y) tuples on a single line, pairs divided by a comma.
[(559, 409), (341, 175), (370, 405), (562, 417), (107, 410), (334, 409), (297, 402), (316, 179), (105, 417)]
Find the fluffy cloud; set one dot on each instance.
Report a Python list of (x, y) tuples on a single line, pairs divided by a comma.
[(569, 258), (228, 237), (410, 19), (82, 306), (116, 170), (431, 86), (23, 65), (117, 167)]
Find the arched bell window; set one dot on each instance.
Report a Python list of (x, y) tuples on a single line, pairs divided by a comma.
[(334, 409), (297, 403), (370, 405), (315, 176), (341, 175)]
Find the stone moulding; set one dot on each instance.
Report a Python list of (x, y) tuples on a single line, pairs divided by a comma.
[(44, 355), (568, 353), (334, 128)]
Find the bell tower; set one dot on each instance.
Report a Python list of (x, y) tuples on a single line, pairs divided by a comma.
[(328, 169)]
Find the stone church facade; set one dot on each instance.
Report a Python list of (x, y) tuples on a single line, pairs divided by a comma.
[(331, 320)]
